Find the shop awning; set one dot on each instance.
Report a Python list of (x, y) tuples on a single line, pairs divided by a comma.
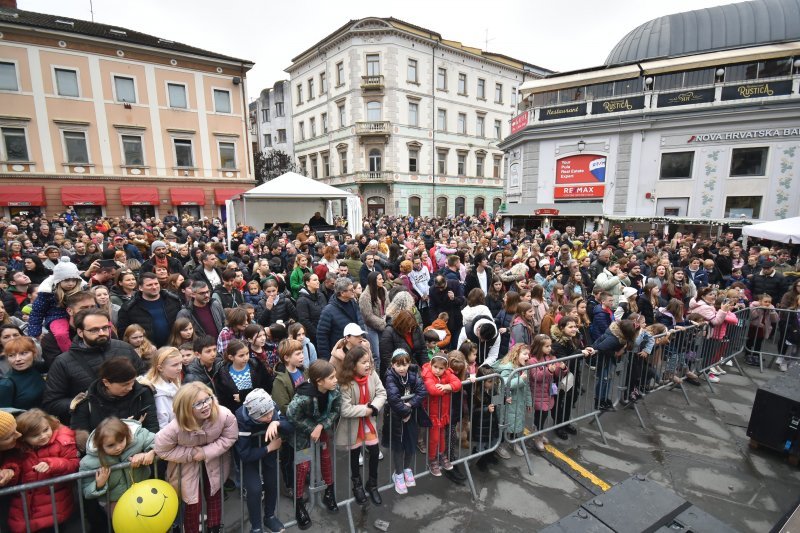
[(22, 195), (565, 209), (187, 196), (221, 195), (138, 195), (83, 195)]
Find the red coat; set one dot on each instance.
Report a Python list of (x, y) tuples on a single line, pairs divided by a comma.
[(437, 403), (61, 454), (540, 382)]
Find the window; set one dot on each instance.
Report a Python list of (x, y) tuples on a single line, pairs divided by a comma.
[(75, 143), (441, 78), (478, 206), (314, 170), (265, 115), (496, 166), (462, 84), (498, 93), (342, 116), (462, 123), (326, 166), (67, 82), (742, 206), (177, 97), (414, 206), (462, 164), (183, 153), (343, 162), (413, 114), (323, 83), (441, 120), (375, 160), (496, 203), (374, 111), (480, 126), (125, 89), (479, 162), (481, 89), (301, 161), (323, 118), (749, 161), (413, 160), (301, 130), (441, 207), (15, 144), (441, 162), (311, 88), (267, 140), (676, 165), (8, 77), (339, 73), (498, 129), (132, 150), (411, 71), (278, 109), (672, 207), (761, 69), (222, 101), (299, 93), (312, 127), (461, 203), (373, 65), (281, 136)]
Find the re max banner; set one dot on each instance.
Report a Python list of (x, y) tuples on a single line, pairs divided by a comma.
[(578, 192), (583, 168)]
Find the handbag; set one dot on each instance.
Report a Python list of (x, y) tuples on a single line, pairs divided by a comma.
[(567, 382)]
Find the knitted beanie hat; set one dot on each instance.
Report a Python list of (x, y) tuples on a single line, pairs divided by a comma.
[(7, 423), (156, 245), (258, 403), (65, 269)]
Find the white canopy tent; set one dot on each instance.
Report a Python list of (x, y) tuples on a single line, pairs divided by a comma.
[(786, 230), (292, 198)]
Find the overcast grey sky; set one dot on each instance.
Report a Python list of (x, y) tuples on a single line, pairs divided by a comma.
[(559, 35)]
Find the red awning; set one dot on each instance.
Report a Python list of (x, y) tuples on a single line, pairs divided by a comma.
[(187, 196), (83, 196), (138, 195), (22, 195), (221, 195)]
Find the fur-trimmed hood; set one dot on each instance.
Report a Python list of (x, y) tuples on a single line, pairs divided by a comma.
[(614, 329)]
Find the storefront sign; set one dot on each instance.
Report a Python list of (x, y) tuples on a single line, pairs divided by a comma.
[(756, 90), (616, 105), (698, 96), (743, 135), (576, 192), (551, 113), (18, 204), (546, 212), (519, 123), (583, 168)]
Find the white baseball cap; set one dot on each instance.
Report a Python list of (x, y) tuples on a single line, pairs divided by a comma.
[(353, 330)]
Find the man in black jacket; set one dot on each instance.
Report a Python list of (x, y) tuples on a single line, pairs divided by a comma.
[(160, 257), (340, 311), (227, 294), (73, 371), (446, 296), (152, 308), (768, 281)]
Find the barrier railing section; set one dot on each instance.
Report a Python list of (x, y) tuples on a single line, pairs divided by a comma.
[(773, 333)]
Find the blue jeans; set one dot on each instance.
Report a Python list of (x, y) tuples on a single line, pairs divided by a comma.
[(374, 337), (605, 373), (252, 483)]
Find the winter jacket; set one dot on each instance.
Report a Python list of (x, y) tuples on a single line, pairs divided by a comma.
[(22, 390), (601, 319), (392, 340), (217, 313), (197, 372), (698, 277), (437, 404), (774, 285), (485, 424), (283, 310), (718, 319), (309, 308), (310, 407), (609, 345), (296, 280), (99, 405), (612, 284), (164, 395), (134, 312), (309, 352), (488, 350), (118, 480), (354, 411), (495, 305), (440, 303), (517, 384), (547, 284), (521, 332), (225, 387), (762, 319), (61, 455), (374, 314), (73, 371), (118, 297), (283, 389), (503, 320), (228, 298), (440, 327), (396, 389), (336, 315), (214, 438), (468, 314), (250, 446), (540, 379)]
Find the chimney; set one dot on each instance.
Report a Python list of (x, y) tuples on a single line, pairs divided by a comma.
[(8, 4)]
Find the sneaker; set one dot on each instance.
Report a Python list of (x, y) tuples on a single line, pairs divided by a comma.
[(445, 462), (783, 367), (361, 459), (729, 362), (380, 455), (718, 371), (538, 442), (712, 377), (517, 449), (544, 439), (399, 484), (503, 453), (434, 468), (274, 525), (409, 476)]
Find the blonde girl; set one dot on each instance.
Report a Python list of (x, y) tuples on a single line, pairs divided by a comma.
[(136, 337), (201, 432), (164, 377), (520, 401)]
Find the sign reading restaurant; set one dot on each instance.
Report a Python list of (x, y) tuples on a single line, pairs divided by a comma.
[(550, 113)]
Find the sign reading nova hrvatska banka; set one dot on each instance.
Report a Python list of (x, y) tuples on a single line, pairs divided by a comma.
[(580, 177)]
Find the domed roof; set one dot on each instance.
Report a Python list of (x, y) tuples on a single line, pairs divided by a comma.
[(716, 28)]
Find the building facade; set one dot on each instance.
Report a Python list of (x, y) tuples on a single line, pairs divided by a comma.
[(406, 119), (114, 122), (273, 118), (696, 129)]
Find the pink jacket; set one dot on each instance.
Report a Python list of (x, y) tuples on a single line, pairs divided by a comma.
[(763, 317), (177, 446), (718, 319), (540, 380)]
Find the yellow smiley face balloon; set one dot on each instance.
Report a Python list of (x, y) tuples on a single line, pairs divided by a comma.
[(149, 506)]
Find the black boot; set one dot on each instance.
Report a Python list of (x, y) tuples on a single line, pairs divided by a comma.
[(214, 529), (457, 473), (372, 489), (329, 499), (301, 514), (455, 476), (358, 490)]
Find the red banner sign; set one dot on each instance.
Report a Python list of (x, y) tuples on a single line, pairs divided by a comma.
[(546, 212), (583, 168), (519, 123), (572, 192)]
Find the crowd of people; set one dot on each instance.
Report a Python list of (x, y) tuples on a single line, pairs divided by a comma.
[(129, 339)]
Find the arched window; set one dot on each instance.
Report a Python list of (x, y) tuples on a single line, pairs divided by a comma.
[(375, 160), (441, 207), (461, 204), (376, 206), (374, 111), (496, 203), (479, 203), (414, 206)]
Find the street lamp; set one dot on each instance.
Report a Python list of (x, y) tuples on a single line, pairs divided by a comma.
[(581, 145)]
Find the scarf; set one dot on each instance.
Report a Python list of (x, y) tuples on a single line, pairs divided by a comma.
[(363, 399), (164, 263)]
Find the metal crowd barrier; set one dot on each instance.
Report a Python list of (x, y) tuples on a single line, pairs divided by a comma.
[(774, 333)]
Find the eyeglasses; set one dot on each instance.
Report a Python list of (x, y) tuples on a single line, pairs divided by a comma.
[(94, 331), (203, 403)]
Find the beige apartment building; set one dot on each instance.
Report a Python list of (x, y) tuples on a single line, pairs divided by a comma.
[(115, 122)]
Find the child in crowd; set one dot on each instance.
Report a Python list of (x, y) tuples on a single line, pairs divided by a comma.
[(182, 332), (49, 309), (256, 338), (516, 382), (187, 356), (458, 431), (522, 328), (440, 382), (313, 412), (485, 427), (470, 352), (44, 450), (289, 375), (23, 385), (297, 331), (115, 441), (431, 342), (205, 366), (254, 295), (543, 381), (275, 334), (637, 367), (440, 327), (240, 374), (164, 377), (363, 397), (201, 432), (763, 319), (405, 417), (136, 336), (610, 347), (258, 455)]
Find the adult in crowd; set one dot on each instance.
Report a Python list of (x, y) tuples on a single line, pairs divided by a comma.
[(769, 281), (228, 294), (208, 271), (447, 297), (310, 303), (372, 304), (340, 311), (75, 303), (153, 308), (206, 315), (160, 258), (403, 333)]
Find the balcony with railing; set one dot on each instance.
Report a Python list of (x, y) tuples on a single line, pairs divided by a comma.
[(372, 83), (373, 176), (376, 128)]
